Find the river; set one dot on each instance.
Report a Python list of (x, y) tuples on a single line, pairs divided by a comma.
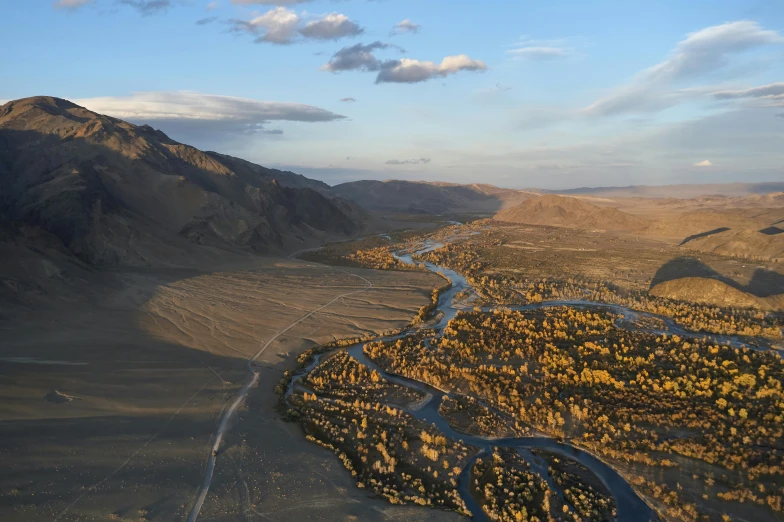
[(630, 507)]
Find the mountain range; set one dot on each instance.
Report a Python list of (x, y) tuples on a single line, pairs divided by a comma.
[(116, 193), (675, 191), (92, 190)]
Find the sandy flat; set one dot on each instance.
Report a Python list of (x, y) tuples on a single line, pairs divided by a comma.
[(160, 356)]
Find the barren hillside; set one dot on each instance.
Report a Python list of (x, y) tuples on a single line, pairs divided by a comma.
[(115, 193), (708, 291), (748, 243), (563, 211), (682, 226), (413, 197)]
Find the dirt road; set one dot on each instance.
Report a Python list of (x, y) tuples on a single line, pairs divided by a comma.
[(254, 377)]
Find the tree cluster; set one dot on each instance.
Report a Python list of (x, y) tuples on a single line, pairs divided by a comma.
[(633, 397)]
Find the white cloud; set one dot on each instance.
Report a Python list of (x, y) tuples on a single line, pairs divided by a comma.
[(330, 27), (281, 26), (357, 57), (208, 122), (415, 161), (406, 26), (407, 70), (212, 5), (269, 2), (700, 53), (71, 4), (539, 50), (703, 163), (361, 57), (772, 89), (538, 53), (277, 26), (771, 95), (193, 106), (148, 7)]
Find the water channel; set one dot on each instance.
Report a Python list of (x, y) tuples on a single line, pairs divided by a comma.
[(630, 507)]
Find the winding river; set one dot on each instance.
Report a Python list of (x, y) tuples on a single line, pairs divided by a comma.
[(630, 507)]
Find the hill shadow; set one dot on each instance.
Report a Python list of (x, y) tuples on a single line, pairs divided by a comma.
[(771, 231), (681, 267), (704, 234), (763, 283)]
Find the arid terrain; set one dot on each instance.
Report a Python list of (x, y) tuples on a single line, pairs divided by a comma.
[(144, 374), (190, 336), (132, 297), (663, 365)]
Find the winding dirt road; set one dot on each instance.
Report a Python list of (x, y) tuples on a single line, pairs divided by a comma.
[(254, 378)]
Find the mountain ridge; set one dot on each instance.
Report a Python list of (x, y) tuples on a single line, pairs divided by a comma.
[(684, 190), (114, 192), (426, 197)]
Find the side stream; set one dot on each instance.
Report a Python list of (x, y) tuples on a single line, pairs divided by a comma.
[(630, 507)]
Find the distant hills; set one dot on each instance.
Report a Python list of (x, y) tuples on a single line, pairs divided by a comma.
[(565, 211), (425, 197), (746, 230), (108, 192), (420, 197), (739, 232), (114, 193), (674, 191)]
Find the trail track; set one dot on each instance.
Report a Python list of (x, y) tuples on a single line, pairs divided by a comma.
[(253, 379)]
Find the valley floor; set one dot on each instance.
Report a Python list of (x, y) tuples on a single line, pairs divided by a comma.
[(108, 410)]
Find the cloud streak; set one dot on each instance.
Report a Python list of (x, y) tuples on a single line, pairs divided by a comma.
[(763, 91), (406, 26), (269, 2), (539, 50), (699, 54), (193, 106), (148, 7), (416, 161), (771, 95), (539, 53), (71, 4), (208, 121)]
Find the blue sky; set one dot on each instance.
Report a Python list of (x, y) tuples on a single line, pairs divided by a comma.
[(520, 94)]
